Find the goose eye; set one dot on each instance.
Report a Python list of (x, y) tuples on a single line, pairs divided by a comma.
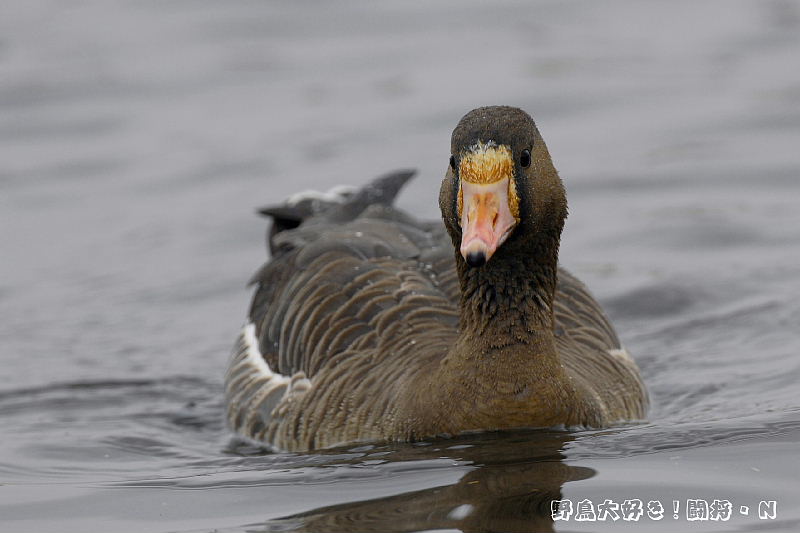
[(452, 162), (525, 158)]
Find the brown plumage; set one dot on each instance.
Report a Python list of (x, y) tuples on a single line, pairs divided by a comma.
[(364, 326)]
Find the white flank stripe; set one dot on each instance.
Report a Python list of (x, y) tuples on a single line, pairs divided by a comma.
[(255, 358), (461, 512), (621, 353)]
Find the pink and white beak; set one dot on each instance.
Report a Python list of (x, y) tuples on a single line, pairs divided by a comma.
[(486, 219)]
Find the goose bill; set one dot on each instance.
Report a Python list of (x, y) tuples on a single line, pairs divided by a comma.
[(486, 219)]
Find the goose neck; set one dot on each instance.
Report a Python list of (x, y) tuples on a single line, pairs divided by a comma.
[(509, 300)]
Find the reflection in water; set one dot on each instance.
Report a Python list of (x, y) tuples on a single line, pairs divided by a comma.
[(511, 489)]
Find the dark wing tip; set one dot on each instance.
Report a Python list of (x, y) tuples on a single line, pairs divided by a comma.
[(385, 188), (282, 211), (334, 206)]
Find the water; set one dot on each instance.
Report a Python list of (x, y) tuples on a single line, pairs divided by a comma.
[(138, 137)]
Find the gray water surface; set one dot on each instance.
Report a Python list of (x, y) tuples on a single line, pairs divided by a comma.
[(138, 137)]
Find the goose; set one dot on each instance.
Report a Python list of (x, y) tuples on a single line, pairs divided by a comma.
[(370, 325)]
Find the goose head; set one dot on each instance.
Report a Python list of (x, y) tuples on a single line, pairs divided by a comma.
[(501, 194)]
